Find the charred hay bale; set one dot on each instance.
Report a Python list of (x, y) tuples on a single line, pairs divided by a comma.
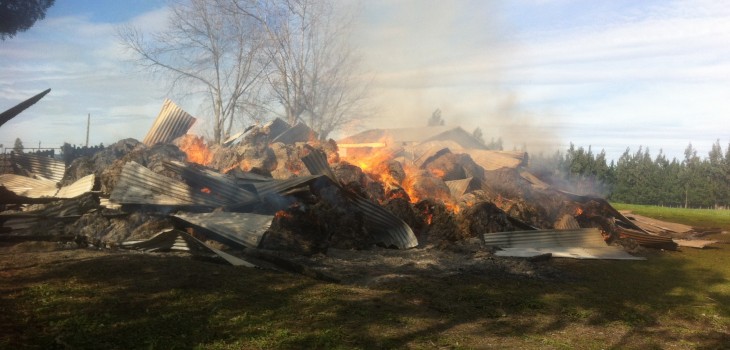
[(402, 208), (297, 231), (347, 173), (223, 159), (288, 160), (100, 161), (455, 166), (96, 229), (440, 225), (484, 217), (254, 157), (531, 213), (152, 158), (423, 185)]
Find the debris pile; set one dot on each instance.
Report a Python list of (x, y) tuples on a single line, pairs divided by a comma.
[(275, 187)]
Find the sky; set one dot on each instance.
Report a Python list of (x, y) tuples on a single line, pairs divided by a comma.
[(540, 74)]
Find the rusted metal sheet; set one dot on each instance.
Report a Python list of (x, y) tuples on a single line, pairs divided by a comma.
[(656, 226), (223, 187), (244, 229), (171, 123), (297, 133), (179, 240), (139, 185), (20, 107), (41, 166), (459, 187), (648, 240), (494, 160)]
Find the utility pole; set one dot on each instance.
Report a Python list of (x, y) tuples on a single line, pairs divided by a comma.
[(88, 124)]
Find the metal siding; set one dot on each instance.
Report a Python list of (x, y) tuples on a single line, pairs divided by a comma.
[(587, 237), (224, 187), (459, 187), (245, 229), (494, 160), (171, 123), (297, 133), (81, 186), (27, 187), (46, 167), (139, 185)]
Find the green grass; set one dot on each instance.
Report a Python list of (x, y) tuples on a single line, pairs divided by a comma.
[(675, 300)]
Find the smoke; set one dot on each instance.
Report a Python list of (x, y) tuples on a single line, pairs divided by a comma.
[(455, 56)]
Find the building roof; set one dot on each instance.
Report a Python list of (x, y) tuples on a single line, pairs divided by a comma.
[(401, 136)]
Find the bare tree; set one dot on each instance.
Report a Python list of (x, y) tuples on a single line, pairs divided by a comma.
[(313, 75), (207, 48)]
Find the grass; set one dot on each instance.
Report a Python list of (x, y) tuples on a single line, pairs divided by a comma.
[(90, 299)]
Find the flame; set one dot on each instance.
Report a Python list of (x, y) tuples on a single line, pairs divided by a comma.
[(205, 190), (437, 172), (195, 149), (282, 214), (578, 211)]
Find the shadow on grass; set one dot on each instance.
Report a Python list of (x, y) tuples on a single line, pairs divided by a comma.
[(130, 301)]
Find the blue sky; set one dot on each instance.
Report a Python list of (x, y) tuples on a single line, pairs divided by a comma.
[(540, 73)]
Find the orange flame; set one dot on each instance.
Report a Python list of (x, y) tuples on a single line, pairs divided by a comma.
[(205, 190), (196, 149)]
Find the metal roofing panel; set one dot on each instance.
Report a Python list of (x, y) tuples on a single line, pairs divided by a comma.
[(245, 229), (178, 240), (493, 160), (28, 187), (42, 166), (316, 163), (605, 253), (171, 123), (459, 187), (20, 107), (223, 187), (385, 227), (586, 237), (297, 133), (266, 188), (139, 185), (79, 187), (276, 127)]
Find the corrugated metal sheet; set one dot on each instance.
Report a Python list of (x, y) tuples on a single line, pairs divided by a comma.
[(419, 154), (245, 229), (46, 167), (276, 127), (385, 227), (603, 253), (27, 187), (493, 160), (584, 243), (694, 243), (223, 187), (171, 123), (647, 240), (20, 107), (605, 206), (652, 225), (459, 187), (79, 187), (567, 222), (139, 185), (266, 188), (537, 183), (178, 240), (297, 133), (316, 163), (585, 238)]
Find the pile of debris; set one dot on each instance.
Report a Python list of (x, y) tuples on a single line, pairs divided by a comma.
[(276, 188)]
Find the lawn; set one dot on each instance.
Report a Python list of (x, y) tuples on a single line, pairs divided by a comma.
[(105, 300)]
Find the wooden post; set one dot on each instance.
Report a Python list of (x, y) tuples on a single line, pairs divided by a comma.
[(88, 123)]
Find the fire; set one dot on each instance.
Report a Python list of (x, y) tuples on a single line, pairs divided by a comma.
[(205, 190), (195, 149), (282, 214), (578, 211)]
